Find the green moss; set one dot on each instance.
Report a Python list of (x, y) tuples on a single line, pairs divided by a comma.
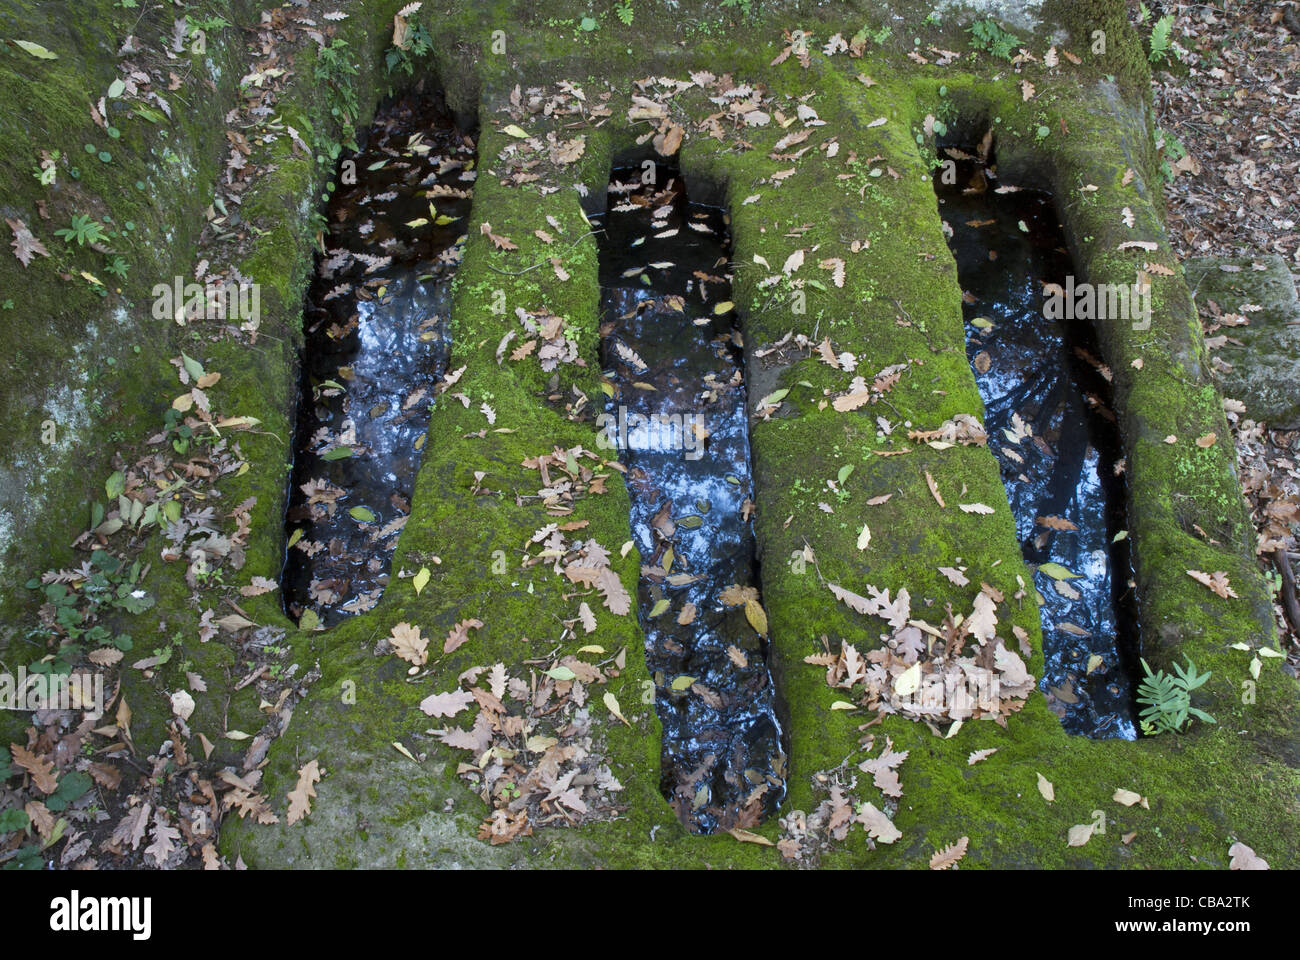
[(376, 807)]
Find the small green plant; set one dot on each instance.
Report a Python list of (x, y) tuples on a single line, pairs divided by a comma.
[(1173, 150), (83, 230), (1168, 699), (623, 10), (205, 24), (988, 36), (334, 66), (116, 266), (415, 44), (1160, 43)]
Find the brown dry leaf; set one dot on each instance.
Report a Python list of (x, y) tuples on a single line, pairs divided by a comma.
[(164, 840), (1046, 789), (668, 142), (105, 656), (446, 704), (460, 634), (1056, 523), (934, 489), (587, 617), (879, 826), (409, 644), (737, 656), (735, 595), (1244, 858), (828, 354), (745, 836), (949, 855), (300, 796), (955, 576), (498, 241), (1217, 581), (1207, 441), (258, 586), (687, 615), (25, 243), (1127, 797), (1080, 833), (130, 829), (40, 768)]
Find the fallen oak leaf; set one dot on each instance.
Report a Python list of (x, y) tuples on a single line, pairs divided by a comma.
[(446, 704), (300, 797), (409, 644), (1217, 581), (459, 634), (949, 855)]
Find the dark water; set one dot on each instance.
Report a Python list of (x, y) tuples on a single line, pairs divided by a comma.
[(1046, 374), (664, 268), (375, 323)]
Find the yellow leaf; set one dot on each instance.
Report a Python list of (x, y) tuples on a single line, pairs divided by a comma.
[(909, 681), (421, 580), (756, 617), (515, 131), (612, 703)]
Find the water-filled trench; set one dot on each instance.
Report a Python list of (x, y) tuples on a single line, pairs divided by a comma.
[(1051, 422), (376, 345), (673, 361)]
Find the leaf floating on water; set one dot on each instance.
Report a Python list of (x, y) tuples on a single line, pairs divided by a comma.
[(361, 513), (1056, 571), (756, 616)]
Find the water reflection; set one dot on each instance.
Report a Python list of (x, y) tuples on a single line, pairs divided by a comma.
[(375, 323), (675, 364), (1048, 414)]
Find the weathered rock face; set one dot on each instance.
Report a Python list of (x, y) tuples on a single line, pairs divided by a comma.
[(1260, 359)]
